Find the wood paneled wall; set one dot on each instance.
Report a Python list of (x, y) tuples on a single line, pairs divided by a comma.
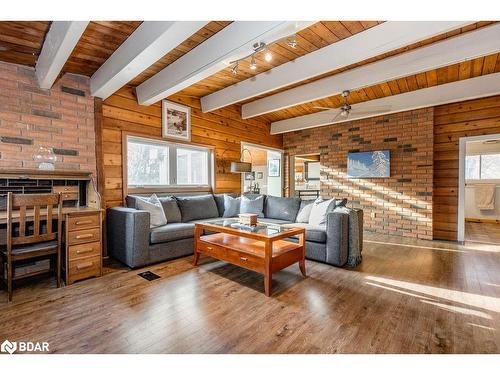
[(451, 122), (223, 129)]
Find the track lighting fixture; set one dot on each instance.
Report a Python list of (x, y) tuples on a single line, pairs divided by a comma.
[(234, 69), (268, 55)]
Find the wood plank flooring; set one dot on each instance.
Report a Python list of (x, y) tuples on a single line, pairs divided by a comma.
[(408, 296), (482, 232)]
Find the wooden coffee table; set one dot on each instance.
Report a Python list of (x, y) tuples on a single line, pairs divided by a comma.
[(261, 249)]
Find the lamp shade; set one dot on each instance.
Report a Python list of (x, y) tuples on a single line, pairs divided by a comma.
[(240, 167)]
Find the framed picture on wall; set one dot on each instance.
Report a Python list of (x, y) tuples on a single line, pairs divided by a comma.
[(176, 121), (273, 167), (249, 176), (260, 175)]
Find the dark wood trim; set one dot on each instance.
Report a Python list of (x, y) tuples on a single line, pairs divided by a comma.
[(98, 145), (99, 156), (58, 174)]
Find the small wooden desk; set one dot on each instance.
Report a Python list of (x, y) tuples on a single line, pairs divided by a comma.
[(82, 241)]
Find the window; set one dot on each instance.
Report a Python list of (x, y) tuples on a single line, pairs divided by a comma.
[(482, 167), (156, 163), (192, 167)]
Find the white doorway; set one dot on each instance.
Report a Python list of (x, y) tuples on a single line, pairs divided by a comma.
[(266, 176), (479, 189)]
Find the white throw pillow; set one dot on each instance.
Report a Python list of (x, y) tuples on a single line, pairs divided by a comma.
[(304, 213), (319, 210), (153, 206)]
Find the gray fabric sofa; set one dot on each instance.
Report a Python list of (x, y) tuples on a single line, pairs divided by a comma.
[(131, 240)]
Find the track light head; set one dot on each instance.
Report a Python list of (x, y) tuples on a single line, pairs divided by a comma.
[(234, 69), (268, 56), (292, 42)]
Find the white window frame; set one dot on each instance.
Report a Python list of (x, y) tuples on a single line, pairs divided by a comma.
[(483, 180), (172, 166)]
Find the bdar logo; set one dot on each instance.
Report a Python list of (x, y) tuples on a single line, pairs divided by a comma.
[(8, 347)]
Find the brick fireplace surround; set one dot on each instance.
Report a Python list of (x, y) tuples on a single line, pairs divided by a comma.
[(30, 117), (401, 204)]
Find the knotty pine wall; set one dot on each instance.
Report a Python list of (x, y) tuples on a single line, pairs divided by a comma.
[(224, 129), (451, 122)]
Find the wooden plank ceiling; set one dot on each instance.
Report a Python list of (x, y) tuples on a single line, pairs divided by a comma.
[(319, 35), (411, 83), (20, 42), (456, 72), (97, 44)]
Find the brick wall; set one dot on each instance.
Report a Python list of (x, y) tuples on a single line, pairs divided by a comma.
[(61, 118), (399, 205)]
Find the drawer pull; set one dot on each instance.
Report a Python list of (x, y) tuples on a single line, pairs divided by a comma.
[(84, 251), (83, 266), (82, 236), (209, 248), (244, 259), (83, 222)]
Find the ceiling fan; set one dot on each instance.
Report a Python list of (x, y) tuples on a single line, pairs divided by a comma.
[(346, 109)]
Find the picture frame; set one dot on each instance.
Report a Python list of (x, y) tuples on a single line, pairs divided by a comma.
[(176, 121), (260, 175), (273, 167), (250, 176)]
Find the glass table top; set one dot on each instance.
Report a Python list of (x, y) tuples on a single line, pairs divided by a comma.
[(265, 229)]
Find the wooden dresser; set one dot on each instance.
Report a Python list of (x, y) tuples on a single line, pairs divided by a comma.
[(82, 215), (83, 243)]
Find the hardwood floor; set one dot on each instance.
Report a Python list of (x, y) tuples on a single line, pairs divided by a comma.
[(482, 232), (408, 296)]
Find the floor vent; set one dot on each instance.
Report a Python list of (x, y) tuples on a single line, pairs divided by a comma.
[(148, 275)]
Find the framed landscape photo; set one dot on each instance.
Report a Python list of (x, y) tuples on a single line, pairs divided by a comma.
[(373, 164), (273, 168), (176, 121)]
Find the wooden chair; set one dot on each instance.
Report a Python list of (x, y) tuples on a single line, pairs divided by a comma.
[(32, 238)]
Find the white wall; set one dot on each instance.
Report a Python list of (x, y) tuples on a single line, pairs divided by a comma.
[(274, 183), (261, 181), (471, 211)]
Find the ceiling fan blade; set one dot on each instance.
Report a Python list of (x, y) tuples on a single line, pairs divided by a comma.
[(327, 108)]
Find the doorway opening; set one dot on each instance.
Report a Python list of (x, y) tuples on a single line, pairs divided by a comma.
[(479, 190), (306, 176), (266, 176)]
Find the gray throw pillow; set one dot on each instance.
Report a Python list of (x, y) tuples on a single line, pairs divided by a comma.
[(153, 206), (304, 213), (171, 209), (231, 206), (281, 208), (197, 207), (319, 210), (252, 206)]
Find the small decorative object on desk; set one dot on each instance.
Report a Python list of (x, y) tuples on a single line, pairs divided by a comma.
[(46, 157), (250, 228), (248, 219)]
